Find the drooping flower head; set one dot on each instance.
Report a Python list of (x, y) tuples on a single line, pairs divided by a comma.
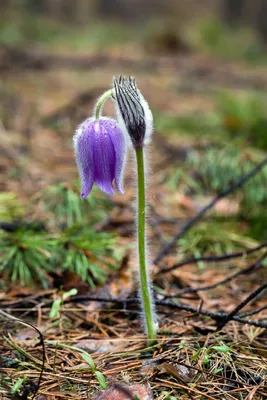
[(100, 153), (133, 113)]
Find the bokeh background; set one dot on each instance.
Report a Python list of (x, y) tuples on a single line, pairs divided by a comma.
[(98, 24), (202, 67)]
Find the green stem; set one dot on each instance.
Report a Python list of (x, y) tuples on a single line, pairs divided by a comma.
[(101, 101), (144, 278)]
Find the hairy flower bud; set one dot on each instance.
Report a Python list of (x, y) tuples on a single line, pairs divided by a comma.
[(100, 151), (133, 113)]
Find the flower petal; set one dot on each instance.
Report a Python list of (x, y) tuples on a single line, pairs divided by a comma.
[(120, 149), (104, 157), (83, 144)]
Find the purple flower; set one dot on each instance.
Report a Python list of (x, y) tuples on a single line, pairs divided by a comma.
[(100, 151)]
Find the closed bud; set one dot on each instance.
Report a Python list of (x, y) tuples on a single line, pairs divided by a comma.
[(133, 113)]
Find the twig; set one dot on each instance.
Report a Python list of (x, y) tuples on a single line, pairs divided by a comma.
[(245, 271), (166, 249), (243, 303), (213, 258), (253, 312), (167, 303)]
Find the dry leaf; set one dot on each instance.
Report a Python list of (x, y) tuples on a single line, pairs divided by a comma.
[(180, 372), (118, 391), (99, 346)]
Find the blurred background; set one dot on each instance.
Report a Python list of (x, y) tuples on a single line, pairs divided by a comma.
[(202, 67), (98, 24)]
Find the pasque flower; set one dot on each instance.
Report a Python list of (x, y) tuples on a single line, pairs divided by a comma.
[(135, 118), (100, 152), (133, 113)]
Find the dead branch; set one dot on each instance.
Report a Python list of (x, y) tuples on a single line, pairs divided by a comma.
[(243, 303), (237, 185), (248, 270), (214, 258), (179, 306)]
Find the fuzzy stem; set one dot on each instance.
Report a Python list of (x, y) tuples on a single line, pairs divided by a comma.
[(100, 103), (144, 278)]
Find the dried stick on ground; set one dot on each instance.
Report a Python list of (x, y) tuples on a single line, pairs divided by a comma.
[(253, 312), (255, 266), (217, 316), (179, 306), (243, 303), (244, 179), (222, 257)]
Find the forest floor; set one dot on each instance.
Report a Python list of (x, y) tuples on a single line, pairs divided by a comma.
[(209, 134)]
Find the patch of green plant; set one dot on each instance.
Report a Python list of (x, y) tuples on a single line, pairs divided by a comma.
[(211, 33), (167, 396), (29, 27), (210, 354), (57, 303), (244, 116), (181, 177), (230, 43), (97, 36), (18, 384), (87, 253), (215, 237), (197, 125), (257, 223), (28, 257), (218, 168), (25, 255), (214, 170), (88, 359), (63, 201), (240, 119), (10, 207)]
